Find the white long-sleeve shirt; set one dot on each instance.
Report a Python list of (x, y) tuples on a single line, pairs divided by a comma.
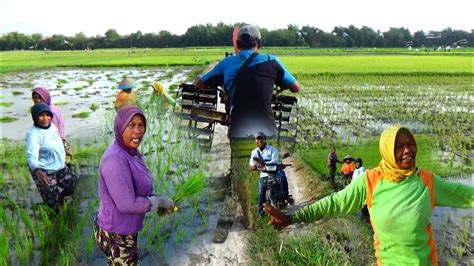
[(45, 149), (357, 172), (269, 156)]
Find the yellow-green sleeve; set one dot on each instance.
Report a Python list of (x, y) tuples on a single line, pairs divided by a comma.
[(452, 193), (349, 200)]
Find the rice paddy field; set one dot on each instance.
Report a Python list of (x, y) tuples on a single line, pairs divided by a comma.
[(347, 98)]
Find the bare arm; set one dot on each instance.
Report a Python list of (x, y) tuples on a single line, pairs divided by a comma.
[(198, 83), (295, 87)]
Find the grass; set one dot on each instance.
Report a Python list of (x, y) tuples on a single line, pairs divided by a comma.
[(368, 150), (312, 60), (378, 64), (335, 241)]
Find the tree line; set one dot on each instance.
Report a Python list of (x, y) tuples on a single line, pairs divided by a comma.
[(221, 35)]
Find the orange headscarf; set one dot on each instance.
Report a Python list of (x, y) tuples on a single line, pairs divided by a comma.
[(388, 164)]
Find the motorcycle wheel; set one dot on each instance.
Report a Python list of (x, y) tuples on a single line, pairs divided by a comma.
[(270, 197)]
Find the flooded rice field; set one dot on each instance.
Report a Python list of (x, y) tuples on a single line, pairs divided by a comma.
[(32, 234), (454, 231), (171, 158), (75, 91)]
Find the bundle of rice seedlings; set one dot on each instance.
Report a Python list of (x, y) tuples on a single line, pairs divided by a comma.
[(191, 187)]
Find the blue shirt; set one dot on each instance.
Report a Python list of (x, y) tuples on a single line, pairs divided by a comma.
[(229, 66), (250, 98)]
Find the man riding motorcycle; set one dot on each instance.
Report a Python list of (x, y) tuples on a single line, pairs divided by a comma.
[(268, 154)]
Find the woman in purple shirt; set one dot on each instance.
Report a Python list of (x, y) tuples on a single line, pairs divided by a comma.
[(125, 190)]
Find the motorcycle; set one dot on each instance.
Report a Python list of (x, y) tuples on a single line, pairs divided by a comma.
[(272, 183)]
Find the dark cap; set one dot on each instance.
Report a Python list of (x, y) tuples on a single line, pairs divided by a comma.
[(250, 30), (260, 134), (359, 160)]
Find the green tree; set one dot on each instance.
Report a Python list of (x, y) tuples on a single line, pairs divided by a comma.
[(111, 38), (397, 37), (79, 41), (311, 36)]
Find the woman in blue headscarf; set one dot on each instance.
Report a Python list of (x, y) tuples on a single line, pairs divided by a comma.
[(46, 158)]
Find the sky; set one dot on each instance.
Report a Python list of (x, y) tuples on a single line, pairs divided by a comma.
[(95, 17)]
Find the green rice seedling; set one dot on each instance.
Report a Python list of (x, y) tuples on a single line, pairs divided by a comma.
[(465, 229), (4, 249), (459, 251), (25, 218), (81, 115), (94, 107), (6, 104), (180, 236), (90, 244), (14, 93), (450, 262), (45, 213), (191, 187), (60, 103), (65, 257), (28, 245), (204, 217), (155, 235), (21, 252), (7, 119)]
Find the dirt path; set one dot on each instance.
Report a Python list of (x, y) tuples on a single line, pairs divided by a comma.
[(204, 251), (233, 251), (295, 186)]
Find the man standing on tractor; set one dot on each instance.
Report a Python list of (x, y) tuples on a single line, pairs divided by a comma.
[(248, 78)]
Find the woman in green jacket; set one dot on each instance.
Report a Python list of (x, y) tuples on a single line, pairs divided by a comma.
[(400, 198)]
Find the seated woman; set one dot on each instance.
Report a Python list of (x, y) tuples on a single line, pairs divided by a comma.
[(46, 158), (125, 190)]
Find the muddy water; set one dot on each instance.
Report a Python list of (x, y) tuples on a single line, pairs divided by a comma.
[(454, 234), (74, 91)]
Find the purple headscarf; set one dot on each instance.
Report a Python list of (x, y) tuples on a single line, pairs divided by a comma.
[(43, 93), (122, 118), (57, 118)]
